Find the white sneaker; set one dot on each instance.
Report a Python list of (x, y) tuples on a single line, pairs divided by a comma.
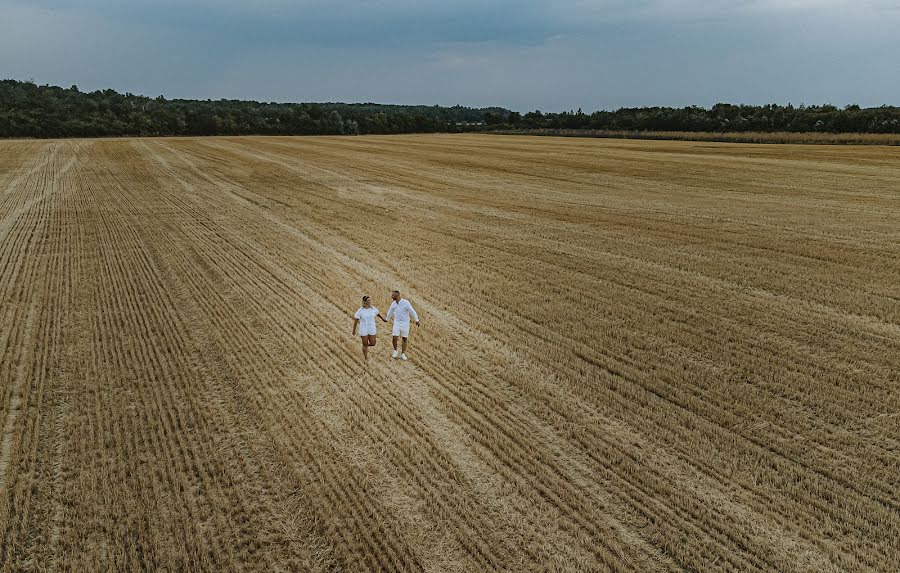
[(403, 357), (396, 353)]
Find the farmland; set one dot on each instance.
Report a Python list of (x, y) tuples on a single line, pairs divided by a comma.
[(634, 355)]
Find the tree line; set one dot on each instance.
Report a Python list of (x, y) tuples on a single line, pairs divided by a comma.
[(722, 118), (31, 110)]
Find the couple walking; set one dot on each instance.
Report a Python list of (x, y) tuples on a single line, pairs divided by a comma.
[(400, 309)]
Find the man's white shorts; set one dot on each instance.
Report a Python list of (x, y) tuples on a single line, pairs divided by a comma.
[(401, 329), (366, 330)]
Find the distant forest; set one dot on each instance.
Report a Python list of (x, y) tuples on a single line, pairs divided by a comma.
[(31, 110)]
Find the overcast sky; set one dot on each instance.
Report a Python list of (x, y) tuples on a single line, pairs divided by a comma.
[(550, 55)]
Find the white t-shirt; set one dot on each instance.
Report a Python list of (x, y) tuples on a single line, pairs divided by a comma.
[(401, 311), (366, 318)]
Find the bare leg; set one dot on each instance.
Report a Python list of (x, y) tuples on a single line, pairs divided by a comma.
[(394, 342), (365, 345), (404, 345), (372, 340)]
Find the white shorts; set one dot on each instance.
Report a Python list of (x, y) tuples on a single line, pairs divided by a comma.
[(401, 329), (366, 330)]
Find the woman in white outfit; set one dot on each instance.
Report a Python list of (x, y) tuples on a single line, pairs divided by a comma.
[(365, 319)]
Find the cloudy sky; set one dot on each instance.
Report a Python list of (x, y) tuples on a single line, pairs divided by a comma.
[(550, 55)]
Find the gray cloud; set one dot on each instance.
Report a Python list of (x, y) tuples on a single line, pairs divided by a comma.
[(534, 54)]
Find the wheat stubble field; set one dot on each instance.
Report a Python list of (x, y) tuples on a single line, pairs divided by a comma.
[(634, 356)]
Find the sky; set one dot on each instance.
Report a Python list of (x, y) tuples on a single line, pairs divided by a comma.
[(551, 55)]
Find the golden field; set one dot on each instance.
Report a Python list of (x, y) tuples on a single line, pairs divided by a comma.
[(634, 355)]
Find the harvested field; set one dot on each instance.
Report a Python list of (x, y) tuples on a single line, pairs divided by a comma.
[(634, 355)]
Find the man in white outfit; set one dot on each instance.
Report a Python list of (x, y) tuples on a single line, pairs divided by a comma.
[(401, 310)]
